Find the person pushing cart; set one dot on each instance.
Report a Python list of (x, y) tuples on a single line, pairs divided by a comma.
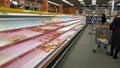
[(102, 38)]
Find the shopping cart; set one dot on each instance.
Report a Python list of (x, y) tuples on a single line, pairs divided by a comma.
[(102, 39), (92, 29)]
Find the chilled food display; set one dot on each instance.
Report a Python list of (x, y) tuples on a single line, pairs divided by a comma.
[(70, 22), (41, 53), (31, 46), (63, 38), (44, 29), (56, 20), (59, 25), (51, 45), (7, 38), (26, 46), (37, 29), (16, 38), (49, 27)]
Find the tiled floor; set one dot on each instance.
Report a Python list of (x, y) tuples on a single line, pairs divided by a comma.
[(81, 55)]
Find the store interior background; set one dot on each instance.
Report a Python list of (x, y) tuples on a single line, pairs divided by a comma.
[(15, 14), (64, 6)]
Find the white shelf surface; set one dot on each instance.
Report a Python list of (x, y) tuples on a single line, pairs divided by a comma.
[(31, 60), (65, 36), (19, 49), (27, 32), (4, 36), (37, 56), (66, 28)]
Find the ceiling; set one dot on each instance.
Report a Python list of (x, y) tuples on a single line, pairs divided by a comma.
[(77, 3)]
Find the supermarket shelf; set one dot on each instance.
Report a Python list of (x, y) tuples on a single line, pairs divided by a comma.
[(31, 51), (31, 60), (8, 44), (15, 51), (54, 23), (5, 37), (30, 34), (20, 28), (7, 30), (50, 61)]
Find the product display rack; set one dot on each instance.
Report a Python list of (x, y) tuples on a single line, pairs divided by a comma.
[(31, 34), (58, 54), (30, 43)]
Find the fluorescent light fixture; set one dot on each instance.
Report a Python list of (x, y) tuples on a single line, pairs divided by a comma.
[(72, 4), (14, 2), (83, 3), (93, 2), (110, 2), (80, 0), (65, 1), (93, 11), (53, 3)]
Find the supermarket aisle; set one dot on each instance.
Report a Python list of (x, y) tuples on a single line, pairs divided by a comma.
[(81, 55)]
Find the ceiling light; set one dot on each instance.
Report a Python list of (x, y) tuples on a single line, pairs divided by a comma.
[(15, 3), (53, 3), (80, 0), (93, 2), (93, 11), (72, 4), (110, 2), (84, 4), (65, 1)]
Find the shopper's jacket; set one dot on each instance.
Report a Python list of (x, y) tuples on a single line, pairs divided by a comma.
[(115, 27), (103, 19)]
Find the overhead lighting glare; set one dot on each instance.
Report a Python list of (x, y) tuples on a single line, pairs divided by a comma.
[(53, 3), (93, 2), (80, 0), (72, 4), (110, 2), (65, 1), (14, 2)]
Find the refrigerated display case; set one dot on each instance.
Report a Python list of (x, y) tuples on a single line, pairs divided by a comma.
[(29, 40)]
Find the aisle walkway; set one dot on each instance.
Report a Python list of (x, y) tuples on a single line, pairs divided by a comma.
[(81, 55)]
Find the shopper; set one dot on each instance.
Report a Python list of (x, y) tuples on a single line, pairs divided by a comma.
[(93, 20), (103, 18), (115, 38)]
